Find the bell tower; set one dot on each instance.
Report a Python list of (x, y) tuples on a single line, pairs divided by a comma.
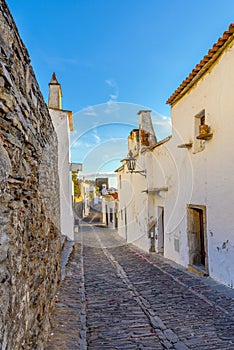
[(55, 93)]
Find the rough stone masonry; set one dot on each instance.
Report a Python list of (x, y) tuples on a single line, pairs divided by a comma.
[(29, 199)]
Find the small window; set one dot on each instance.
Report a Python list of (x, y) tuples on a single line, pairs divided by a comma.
[(120, 181), (202, 120), (199, 120)]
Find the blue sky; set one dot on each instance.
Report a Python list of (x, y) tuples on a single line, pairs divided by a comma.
[(100, 137), (110, 51)]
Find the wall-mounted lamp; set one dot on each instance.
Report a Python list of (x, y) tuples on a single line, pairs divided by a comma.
[(131, 164)]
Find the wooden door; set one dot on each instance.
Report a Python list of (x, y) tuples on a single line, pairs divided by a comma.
[(196, 237)]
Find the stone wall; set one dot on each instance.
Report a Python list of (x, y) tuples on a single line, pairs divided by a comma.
[(29, 210)]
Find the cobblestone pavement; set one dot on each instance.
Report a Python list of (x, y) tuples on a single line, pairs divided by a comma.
[(115, 296)]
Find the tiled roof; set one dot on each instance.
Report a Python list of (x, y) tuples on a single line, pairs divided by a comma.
[(119, 169), (159, 143), (203, 66), (162, 141)]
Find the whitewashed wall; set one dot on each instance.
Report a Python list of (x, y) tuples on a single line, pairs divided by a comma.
[(212, 168), (172, 170), (203, 178), (61, 124)]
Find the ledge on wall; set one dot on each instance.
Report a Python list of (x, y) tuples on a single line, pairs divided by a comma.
[(207, 136), (185, 145), (157, 189)]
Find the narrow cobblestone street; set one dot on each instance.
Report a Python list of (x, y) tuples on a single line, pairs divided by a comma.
[(115, 296)]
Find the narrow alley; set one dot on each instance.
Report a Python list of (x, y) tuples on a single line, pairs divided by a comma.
[(115, 296)]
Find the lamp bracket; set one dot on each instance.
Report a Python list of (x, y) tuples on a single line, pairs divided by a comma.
[(141, 172)]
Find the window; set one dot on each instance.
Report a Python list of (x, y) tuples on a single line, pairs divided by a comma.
[(120, 181), (202, 120), (199, 119)]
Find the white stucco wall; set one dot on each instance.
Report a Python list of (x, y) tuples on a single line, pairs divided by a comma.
[(61, 124), (86, 200), (204, 178), (166, 167), (133, 205), (110, 210), (213, 169), (172, 170), (138, 218)]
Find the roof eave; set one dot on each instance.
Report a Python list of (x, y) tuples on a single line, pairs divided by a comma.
[(202, 67)]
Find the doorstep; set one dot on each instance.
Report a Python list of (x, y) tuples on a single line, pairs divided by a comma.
[(198, 270)]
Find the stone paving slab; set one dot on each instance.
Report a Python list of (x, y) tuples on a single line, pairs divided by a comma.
[(208, 325), (115, 296), (67, 248), (213, 291), (67, 318), (114, 318)]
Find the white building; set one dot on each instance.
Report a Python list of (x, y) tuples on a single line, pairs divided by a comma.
[(110, 209), (183, 208), (85, 193), (133, 200), (63, 124)]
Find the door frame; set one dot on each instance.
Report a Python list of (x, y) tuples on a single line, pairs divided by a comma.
[(201, 208), (160, 229), (125, 224)]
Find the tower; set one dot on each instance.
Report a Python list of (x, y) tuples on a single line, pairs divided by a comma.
[(63, 125), (55, 93)]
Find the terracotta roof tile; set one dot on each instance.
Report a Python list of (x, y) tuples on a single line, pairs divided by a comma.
[(162, 142), (203, 65)]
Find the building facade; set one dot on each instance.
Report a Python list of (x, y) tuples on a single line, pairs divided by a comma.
[(183, 207), (63, 124), (110, 211)]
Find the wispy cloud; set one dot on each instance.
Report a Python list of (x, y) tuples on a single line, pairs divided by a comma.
[(90, 111), (162, 122), (113, 97), (111, 107), (115, 94), (57, 60), (111, 83), (96, 137), (99, 174), (81, 144)]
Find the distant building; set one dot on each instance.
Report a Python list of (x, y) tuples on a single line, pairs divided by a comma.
[(85, 193), (100, 181), (110, 209), (63, 124)]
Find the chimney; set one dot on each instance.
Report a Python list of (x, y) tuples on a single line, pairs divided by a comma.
[(147, 135), (133, 141), (55, 93)]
